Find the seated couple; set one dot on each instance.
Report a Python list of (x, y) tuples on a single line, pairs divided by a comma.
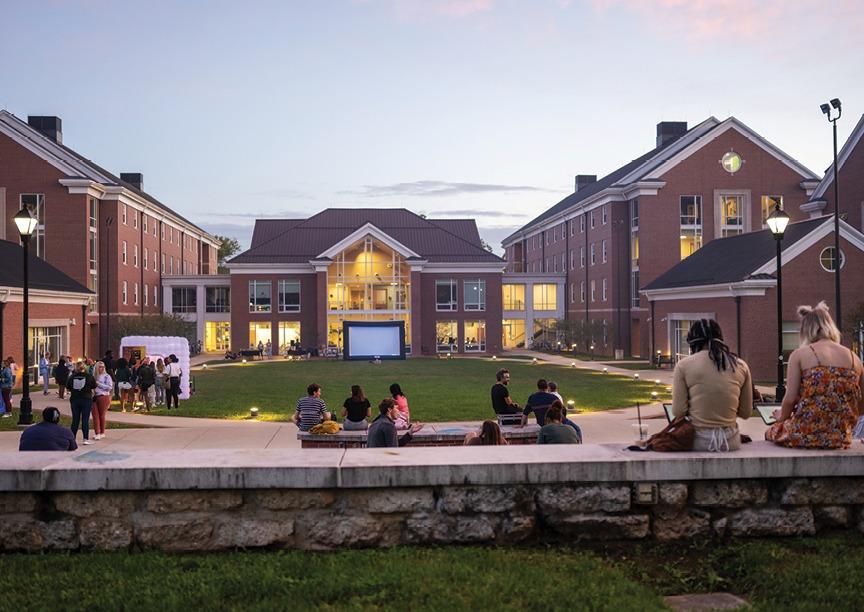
[(713, 388), (553, 431), (356, 409)]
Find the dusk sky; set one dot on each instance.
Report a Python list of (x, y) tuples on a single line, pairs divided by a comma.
[(481, 108)]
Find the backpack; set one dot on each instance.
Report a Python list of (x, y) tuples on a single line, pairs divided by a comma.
[(677, 436)]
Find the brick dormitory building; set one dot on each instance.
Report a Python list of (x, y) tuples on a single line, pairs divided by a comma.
[(678, 234), (103, 232)]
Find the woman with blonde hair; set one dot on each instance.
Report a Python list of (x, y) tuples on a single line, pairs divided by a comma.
[(102, 393), (489, 435), (823, 387)]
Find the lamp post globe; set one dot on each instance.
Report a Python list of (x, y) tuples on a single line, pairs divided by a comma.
[(777, 222), (26, 224)]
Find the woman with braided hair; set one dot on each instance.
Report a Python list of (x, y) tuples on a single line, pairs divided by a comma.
[(712, 386)]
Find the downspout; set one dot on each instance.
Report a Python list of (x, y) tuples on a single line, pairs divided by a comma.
[(738, 325), (653, 341), (588, 341)]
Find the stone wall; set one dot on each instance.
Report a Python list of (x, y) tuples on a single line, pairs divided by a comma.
[(337, 498), (323, 519)]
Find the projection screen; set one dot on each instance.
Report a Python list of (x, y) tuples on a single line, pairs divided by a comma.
[(368, 340)]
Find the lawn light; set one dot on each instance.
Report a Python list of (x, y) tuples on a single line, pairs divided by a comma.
[(204, 366), (636, 377), (571, 404), (605, 370), (494, 357), (253, 412), (572, 364), (244, 360), (653, 396), (657, 382), (534, 361), (449, 356)]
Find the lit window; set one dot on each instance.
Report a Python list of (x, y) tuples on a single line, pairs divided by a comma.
[(446, 336), (474, 336), (768, 204), (691, 225), (513, 297), (731, 215), (731, 162), (545, 297)]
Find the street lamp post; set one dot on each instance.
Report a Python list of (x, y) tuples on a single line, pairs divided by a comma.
[(777, 222), (826, 108), (26, 224)]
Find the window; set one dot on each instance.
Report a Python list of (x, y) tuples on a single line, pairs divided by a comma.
[(135, 293), (691, 225), (545, 296), (513, 297), (581, 257), (474, 336), (163, 263), (680, 329), (592, 220), (35, 203), (260, 334), (146, 259), (289, 296), (603, 250), (93, 243), (171, 264), (582, 224), (154, 261), (572, 260), (289, 335), (259, 296), (826, 259), (555, 264), (184, 299), (634, 214), (123, 214), (768, 204), (154, 227), (218, 299), (475, 294), (582, 292), (144, 222), (446, 336), (593, 290), (603, 290), (125, 293), (445, 295), (146, 296), (155, 295), (135, 255), (123, 254), (555, 234), (731, 162), (135, 219), (217, 336), (572, 228), (564, 262), (731, 215), (634, 289), (604, 214), (546, 233), (593, 254), (162, 230)]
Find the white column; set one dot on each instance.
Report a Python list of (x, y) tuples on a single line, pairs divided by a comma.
[(529, 314), (199, 312)]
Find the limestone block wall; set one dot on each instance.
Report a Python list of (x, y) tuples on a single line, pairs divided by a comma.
[(329, 499)]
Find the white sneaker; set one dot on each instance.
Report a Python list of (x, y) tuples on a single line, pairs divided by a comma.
[(136, 409), (88, 442), (6, 415)]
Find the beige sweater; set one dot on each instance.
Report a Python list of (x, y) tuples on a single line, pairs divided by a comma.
[(712, 397)]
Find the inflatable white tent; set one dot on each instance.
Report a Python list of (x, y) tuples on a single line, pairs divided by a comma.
[(155, 347)]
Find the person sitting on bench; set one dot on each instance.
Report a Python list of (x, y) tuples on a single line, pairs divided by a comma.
[(555, 431), (382, 431), (501, 401), (538, 403)]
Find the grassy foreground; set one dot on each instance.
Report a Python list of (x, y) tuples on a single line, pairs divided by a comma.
[(437, 390), (796, 574)]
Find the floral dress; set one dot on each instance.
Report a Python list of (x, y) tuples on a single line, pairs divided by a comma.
[(826, 411)]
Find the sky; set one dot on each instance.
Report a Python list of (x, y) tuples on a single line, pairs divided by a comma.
[(485, 109)]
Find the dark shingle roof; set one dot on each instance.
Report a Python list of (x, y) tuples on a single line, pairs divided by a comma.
[(733, 259), (298, 241), (42, 274)]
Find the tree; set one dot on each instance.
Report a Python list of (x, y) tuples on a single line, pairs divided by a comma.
[(228, 247)]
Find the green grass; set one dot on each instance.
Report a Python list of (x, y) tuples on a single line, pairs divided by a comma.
[(437, 390), (399, 579), (642, 365)]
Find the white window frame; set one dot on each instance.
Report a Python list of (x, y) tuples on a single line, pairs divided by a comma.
[(480, 305), (253, 296), (582, 291), (604, 214), (125, 293), (593, 221), (593, 255), (603, 290), (146, 259), (124, 214), (603, 250), (124, 254), (135, 293), (282, 290), (453, 304), (134, 255), (146, 295), (593, 290), (581, 257)]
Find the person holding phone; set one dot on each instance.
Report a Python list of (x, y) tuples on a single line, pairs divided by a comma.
[(823, 387)]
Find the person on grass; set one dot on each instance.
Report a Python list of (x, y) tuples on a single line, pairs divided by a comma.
[(102, 398), (382, 431), (538, 403), (48, 435), (61, 375), (311, 410), (146, 380), (823, 389), (45, 371), (489, 435), (159, 382), (172, 380), (501, 401), (554, 431), (125, 384), (355, 410), (81, 385)]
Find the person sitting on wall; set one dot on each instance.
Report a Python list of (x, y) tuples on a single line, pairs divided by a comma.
[(538, 403), (554, 431), (489, 435), (501, 401), (382, 431), (48, 435), (311, 409)]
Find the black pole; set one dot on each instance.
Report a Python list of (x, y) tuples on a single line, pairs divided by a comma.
[(780, 390), (837, 257), (25, 415)]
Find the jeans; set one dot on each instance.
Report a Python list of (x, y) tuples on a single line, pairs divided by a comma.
[(81, 414), (352, 426), (174, 392), (100, 412), (574, 426), (7, 400), (45, 381), (160, 394)]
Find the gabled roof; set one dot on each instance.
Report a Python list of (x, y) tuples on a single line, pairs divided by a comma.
[(655, 163), (733, 259), (842, 157), (299, 241), (42, 275), (72, 163)]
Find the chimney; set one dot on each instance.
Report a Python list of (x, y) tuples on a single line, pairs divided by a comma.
[(668, 131), (51, 127), (583, 180), (136, 179)]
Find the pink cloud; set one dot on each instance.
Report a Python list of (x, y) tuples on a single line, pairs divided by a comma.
[(453, 9)]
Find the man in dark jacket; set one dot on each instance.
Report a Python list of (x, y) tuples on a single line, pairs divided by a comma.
[(146, 379), (382, 431), (48, 435)]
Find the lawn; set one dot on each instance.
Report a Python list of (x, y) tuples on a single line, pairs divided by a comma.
[(821, 573), (11, 424), (437, 390)]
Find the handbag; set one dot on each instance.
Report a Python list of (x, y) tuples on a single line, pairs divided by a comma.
[(676, 437)]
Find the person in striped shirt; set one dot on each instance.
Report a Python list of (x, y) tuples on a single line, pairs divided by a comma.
[(311, 409)]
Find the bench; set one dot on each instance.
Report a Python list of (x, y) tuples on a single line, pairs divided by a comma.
[(661, 360), (432, 434), (251, 353)]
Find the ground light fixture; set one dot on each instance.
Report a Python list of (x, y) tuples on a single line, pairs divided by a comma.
[(605, 370), (26, 224), (657, 382), (777, 222), (244, 360), (253, 412), (653, 396), (494, 357), (534, 361), (636, 377), (571, 405), (203, 366), (572, 364)]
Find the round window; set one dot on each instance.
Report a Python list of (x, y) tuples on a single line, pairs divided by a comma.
[(731, 162), (826, 259)]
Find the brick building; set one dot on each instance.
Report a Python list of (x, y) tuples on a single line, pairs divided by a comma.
[(614, 236), (301, 278), (101, 230)]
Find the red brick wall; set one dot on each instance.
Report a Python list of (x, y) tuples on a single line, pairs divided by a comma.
[(12, 327)]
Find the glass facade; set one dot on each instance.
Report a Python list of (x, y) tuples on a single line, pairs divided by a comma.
[(218, 299), (183, 299), (289, 336), (691, 225), (289, 296), (474, 336), (513, 297), (260, 333), (446, 337), (474, 292), (259, 296), (545, 296), (513, 333), (217, 336)]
